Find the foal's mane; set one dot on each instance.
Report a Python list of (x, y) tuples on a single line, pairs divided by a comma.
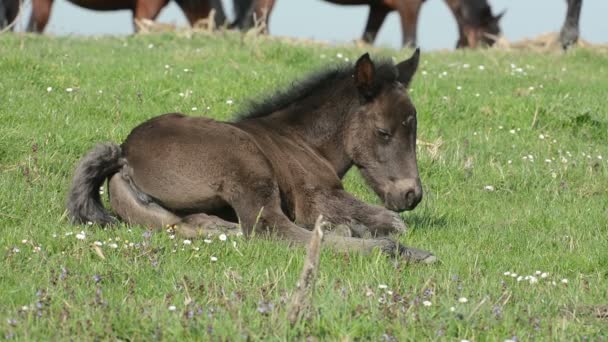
[(385, 73)]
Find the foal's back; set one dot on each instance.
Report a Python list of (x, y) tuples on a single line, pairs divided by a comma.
[(191, 162)]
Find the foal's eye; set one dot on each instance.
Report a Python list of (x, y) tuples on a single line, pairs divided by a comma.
[(384, 134)]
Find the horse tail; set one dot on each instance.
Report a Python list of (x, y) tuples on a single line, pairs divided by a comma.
[(84, 202)]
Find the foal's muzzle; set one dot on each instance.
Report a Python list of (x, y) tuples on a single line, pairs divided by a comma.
[(404, 195)]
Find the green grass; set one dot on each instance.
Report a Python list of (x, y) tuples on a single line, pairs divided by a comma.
[(545, 216)]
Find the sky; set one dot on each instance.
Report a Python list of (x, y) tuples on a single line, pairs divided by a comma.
[(318, 19)]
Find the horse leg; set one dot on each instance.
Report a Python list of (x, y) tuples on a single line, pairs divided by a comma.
[(147, 9), (243, 10), (7, 12), (135, 207), (408, 12), (12, 11), (377, 14), (570, 30), (197, 10), (262, 10), (41, 10), (340, 207), (3, 16), (455, 7), (259, 209)]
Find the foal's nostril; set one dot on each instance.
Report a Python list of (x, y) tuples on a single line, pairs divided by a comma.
[(410, 198)]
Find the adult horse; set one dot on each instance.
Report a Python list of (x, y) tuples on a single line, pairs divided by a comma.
[(194, 10), (275, 169), (476, 23)]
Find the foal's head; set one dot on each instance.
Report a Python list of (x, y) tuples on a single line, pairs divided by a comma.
[(380, 134)]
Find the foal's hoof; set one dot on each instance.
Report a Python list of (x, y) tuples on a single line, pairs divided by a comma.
[(417, 255), (409, 254), (430, 259), (341, 230)]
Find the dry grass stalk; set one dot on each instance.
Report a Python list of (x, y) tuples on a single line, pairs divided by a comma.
[(98, 251), (301, 297), (147, 26), (542, 43), (207, 25), (259, 26), (433, 147)]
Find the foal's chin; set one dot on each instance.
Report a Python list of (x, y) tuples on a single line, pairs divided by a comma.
[(399, 207), (397, 201), (403, 194)]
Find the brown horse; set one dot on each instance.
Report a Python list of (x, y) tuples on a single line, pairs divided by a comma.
[(275, 169), (474, 18), (194, 10)]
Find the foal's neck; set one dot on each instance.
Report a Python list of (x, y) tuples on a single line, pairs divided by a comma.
[(320, 120)]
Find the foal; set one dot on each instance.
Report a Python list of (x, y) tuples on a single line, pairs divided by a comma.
[(275, 169)]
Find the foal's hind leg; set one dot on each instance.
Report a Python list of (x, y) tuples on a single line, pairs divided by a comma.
[(197, 225), (135, 207)]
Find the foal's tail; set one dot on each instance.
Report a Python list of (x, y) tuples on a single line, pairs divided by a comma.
[(84, 203)]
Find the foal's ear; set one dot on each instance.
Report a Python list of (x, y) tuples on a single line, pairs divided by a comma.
[(407, 68), (364, 75)]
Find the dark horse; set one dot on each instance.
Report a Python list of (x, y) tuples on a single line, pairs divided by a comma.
[(194, 10), (474, 18), (275, 169)]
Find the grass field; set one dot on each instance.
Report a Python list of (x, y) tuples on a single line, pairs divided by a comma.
[(516, 181)]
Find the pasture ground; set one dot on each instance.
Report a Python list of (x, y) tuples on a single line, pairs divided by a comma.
[(515, 175)]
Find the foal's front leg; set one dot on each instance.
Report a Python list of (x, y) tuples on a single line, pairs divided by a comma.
[(340, 207)]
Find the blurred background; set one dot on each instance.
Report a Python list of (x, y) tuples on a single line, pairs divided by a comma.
[(320, 20)]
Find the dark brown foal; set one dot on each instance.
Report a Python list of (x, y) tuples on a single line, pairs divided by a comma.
[(276, 169)]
